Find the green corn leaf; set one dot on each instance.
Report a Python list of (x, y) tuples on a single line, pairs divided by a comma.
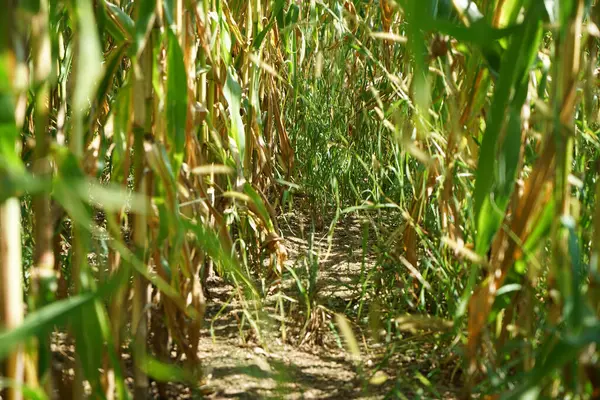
[(292, 15), (541, 228), (574, 307), (143, 24), (89, 60), (495, 179), (109, 197), (170, 222), (168, 9), (565, 350), (276, 10), (15, 182), (164, 372), (566, 9), (480, 33), (104, 326), (510, 12), (493, 210), (121, 127), (176, 101), (418, 16), (260, 205), (233, 94), (113, 63), (119, 24), (88, 335), (56, 314), (42, 321), (226, 41), (164, 223), (258, 39)]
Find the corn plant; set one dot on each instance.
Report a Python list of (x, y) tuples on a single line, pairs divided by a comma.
[(142, 125), (148, 145)]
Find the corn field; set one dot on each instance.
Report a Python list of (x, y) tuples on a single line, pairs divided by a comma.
[(165, 164)]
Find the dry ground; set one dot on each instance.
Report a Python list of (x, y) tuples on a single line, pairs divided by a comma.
[(320, 367)]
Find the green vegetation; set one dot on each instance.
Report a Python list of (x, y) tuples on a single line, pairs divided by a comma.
[(156, 152)]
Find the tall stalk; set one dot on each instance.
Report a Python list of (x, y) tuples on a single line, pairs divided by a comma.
[(139, 317), (142, 126), (567, 47), (11, 290), (43, 275)]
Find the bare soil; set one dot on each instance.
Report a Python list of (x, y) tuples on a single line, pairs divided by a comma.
[(315, 364)]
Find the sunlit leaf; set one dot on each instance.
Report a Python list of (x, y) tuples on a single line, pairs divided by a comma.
[(119, 24), (258, 202), (348, 335), (89, 69), (163, 372), (233, 94)]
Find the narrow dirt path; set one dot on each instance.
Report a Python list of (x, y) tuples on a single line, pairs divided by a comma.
[(314, 364), (313, 368)]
